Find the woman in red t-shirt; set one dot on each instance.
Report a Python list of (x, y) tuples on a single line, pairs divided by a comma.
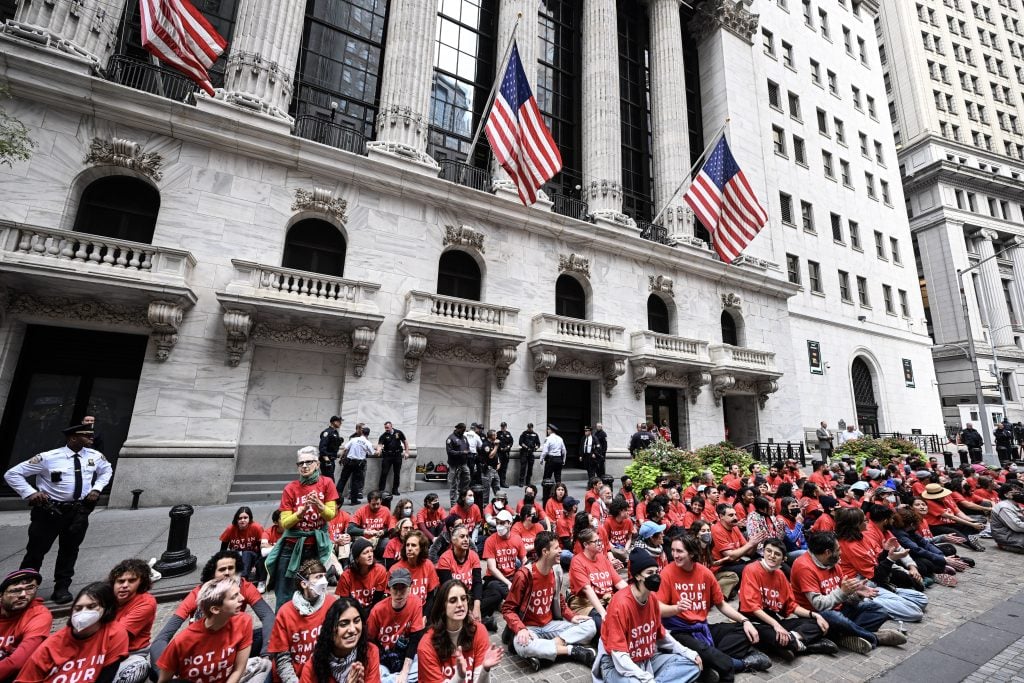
[(553, 507), (245, 536), (454, 646), (393, 550), (364, 580), (420, 568), (461, 562), (592, 579), (136, 611), (89, 648), (343, 651)]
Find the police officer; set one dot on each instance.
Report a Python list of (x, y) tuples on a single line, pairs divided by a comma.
[(459, 455), (68, 482), (392, 448), (330, 442), (529, 442), (505, 443), (476, 443)]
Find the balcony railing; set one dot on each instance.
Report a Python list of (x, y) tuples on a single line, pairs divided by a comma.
[(742, 358), (573, 330), (157, 80), (452, 310), (263, 281), (652, 232), (465, 174), (327, 132), (570, 206), (668, 346)]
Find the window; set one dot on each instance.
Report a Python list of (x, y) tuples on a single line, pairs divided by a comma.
[(730, 333), (121, 207), (768, 40), (794, 105), (879, 245), (570, 298), (848, 41), (1008, 393), (808, 14), (823, 122), (879, 157), (779, 140), (855, 92), (862, 51), (862, 291), (634, 104), (787, 54), (869, 181), (786, 207), (774, 98), (871, 107), (657, 315), (799, 151), (815, 73), (807, 215), (854, 229), (904, 304), (315, 246), (814, 276), (823, 23), (894, 250), (844, 286), (793, 268), (833, 83), (844, 170), (840, 130), (837, 226), (459, 275), (887, 299), (826, 164), (863, 144)]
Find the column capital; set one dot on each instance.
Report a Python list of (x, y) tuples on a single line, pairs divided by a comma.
[(986, 234), (731, 15)]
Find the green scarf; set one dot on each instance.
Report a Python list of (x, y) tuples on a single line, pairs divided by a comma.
[(320, 537), (311, 479)]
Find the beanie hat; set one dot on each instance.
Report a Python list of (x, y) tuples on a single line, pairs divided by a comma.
[(640, 560), (18, 576), (359, 545)]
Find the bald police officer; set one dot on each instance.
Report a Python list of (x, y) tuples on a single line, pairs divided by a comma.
[(68, 482)]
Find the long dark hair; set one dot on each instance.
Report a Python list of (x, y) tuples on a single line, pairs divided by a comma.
[(101, 592), (703, 554), (579, 523), (239, 511), (324, 646), (440, 640), (848, 521)]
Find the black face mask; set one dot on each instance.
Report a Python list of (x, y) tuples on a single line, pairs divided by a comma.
[(436, 504), (653, 582), (628, 487), (527, 499)]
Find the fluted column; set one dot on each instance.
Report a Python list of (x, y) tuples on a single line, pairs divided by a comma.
[(1017, 256), (406, 80), (601, 129), (86, 29), (999, 330), (262, 57)]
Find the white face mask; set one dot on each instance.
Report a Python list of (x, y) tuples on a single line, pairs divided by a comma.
[(470, 500), (319, 587), (504, 529), (84, 619), (498, 505), (407, 512)]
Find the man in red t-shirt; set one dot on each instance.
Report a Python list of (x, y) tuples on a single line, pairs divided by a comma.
[(24, 621), (617, 530), (373, 520), (295, 633), (504, 552), (730, 550), (400, 617)]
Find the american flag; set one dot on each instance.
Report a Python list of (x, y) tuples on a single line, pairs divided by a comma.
[(521, 142), (176, 33), (723, 200)]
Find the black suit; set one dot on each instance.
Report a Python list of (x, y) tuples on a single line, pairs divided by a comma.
[(600, 451)]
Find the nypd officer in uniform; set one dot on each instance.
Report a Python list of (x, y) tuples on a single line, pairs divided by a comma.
[(330, 442), (68, 482)]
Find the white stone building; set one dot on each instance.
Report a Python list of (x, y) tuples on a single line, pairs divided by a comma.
[(214, 277), (954, 73)]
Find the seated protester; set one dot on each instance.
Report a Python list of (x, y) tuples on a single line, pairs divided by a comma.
[(538, 621), (136, 611), (808, 497), (626, 491), (694, 513), (776, 478), (744, 504), (396, 626), (526, 528), (393, 550), (690, 492), (821, 477), (244, 535), (404, 509), (504, 553), (793, 537), (373, 521), (822, 520), (599, 509), (343, 652), (465, 507), (944, 518), (462, 563), (651, 537), (498, 503), (554, 507), (454, 647), (920, 479), (904, 573), (582, 521), (298, 623), (711, 500), (365, 580), (986, 493), (593, 492), (91, 646), (762, 521), (646, 496), (656, 511), (563, 527), (930, 560), (784, 628), (633, 644), (961, 497), (592, 579), (1008, 519), (688, 590), (676, 510), (845, 603), (271, 534), (341, 541), (530, 500), (731, 551), (421, 570), (733, 478), (617, 530), (728, 581), (443, 541), (222, 565), (943, 543), (430, 519), (861, 556), (24, 621)]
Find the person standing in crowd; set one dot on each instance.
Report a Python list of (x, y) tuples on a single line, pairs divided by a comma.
[(587, 451), (24, 621), (393, 448), (974, 441), (825, 441), (504, 552), (641, 439), (505, 443), (68, 481), (633, 641), (489, 462), (454, 647), (245, 536), (1003, 437), (330, 444), (343, 653), (529, 443), (552, 454), (396, 626), (600, 450), (298, 623), (476, 442), (459, 454), (354, 465), (136, 611)]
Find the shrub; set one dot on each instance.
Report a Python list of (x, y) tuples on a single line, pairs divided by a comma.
[(866, 448), (662, 456)]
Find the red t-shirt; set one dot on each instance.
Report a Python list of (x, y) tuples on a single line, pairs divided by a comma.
[(760, 589), (824, 522), (563, 528), (362, 588), (137, 616), (631, 627), (699, 585), (527, 536), (470, 516), (385, 625), (724, 540), (371, 671), (536, 506), (272, 534), (710, 514), (204, 656), (80, 661), (599, 511), (505, 552), (393, 550), (433, 670), (689, 518), (243, 539), (339, 525), (536, 610), (34, 622), (367, 519), (859, 557), (432, 519), (616, 534), (807, 577), (554, 510), (824, 482), (187, 607), (463, 572), (599, 574), (424, 578), (294, 495), (297, 634), (937, 508)]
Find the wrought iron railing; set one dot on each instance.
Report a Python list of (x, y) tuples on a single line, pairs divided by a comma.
[(570, 206), (652, 232), (462, 173), (327, 132), (776, 453), (929, 443), (151, 78)]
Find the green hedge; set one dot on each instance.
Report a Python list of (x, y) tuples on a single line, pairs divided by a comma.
[(662, 456)]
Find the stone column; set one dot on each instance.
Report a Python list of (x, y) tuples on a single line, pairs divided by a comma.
[(406, 80), (1017, 256), (86, 29), (601, 126), (262, 56), (999, 330)]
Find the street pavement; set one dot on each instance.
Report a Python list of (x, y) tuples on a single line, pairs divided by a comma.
[(974, 632)]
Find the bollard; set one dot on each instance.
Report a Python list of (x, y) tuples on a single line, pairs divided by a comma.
[(135, 498), (177, 559), (947, 456), (547, 488)]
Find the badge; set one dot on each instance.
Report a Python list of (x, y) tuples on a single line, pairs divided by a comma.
[(92, 463), (35, 460)]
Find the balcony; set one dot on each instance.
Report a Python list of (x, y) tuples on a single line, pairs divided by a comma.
[(570, 206), (329, 133), (459, 331), (652, 232), (739, 370), (464, 174), (570, 346), (151, 78), (667, 360)]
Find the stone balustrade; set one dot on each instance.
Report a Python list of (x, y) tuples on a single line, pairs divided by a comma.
[(741, 358), (262, 281), (562, 329), (669, 346), (426, 306)]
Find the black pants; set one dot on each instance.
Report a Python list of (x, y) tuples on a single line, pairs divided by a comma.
[(808, 630), (327, 468), (525, 467), (356, 469), (503, 467), (65, 522), (595, 465), (493, 595), (553, 469), (387, 462), (730, 643)]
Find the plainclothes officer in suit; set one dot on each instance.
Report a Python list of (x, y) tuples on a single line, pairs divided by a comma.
[(330, 442), (68, 482)]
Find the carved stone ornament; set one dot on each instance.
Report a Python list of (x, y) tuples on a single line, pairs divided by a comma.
[(503, 359), (320, 200), (299, 335), (731, 15), (721, 384), (362, 340), (754, 262), (415, 347), (165, 319), (764, 389), (612, 370), (660, 283), (463, 236), (574, 263), (696, 380), (63, 308), (732, 300), (126, 154), (238, 325), (604, 188), (454, 353), (543, 363), (643, 373)]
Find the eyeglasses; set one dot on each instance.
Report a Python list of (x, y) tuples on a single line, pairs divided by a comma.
[(596, 541), (307, 463), (23, 589)]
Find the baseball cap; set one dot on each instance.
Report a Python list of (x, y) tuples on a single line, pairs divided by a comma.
[(860, 486), (505, 516), (649, 528), (400, 576)]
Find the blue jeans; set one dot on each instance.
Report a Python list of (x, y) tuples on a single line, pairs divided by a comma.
[(387, 677), (862, 620), (667, 668), (903, 605)]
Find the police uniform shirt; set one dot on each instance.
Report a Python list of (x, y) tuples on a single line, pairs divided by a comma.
[(330, 442), (391, 444), (474, 440), (588, 444), (54, 473), (359, 448)]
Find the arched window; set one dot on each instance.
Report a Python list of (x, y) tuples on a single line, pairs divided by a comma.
[(315, 246), (657, 314), (459, 275), (570, 298), (120, 207), (730, 335)]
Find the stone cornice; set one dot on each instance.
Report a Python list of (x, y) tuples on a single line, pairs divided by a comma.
[(730, 15), (964, 176)]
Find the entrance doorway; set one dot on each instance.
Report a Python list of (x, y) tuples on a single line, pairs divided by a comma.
[(569, 410), (864, 397), (663, 404), (64, 374), (740, 414)]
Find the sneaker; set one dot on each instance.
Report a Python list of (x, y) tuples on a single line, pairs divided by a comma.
[(946, 580), (974, 544), (854, 643), (890, 638), (823, 646), (582, 655), (262, 587), (757, 661), (533, 663)]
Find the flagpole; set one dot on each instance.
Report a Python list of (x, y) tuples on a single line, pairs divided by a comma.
[(494, 89), (696, 164)]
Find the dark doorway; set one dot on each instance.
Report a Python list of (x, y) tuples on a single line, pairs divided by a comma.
[(569, 410), (64, 374), (740, 413), (730, 335), (570, 299), (458, 275), (315, 246), (663, 404), (864, 397), (657, 314)]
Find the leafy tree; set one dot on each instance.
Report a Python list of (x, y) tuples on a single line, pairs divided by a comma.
[(15, 143)]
